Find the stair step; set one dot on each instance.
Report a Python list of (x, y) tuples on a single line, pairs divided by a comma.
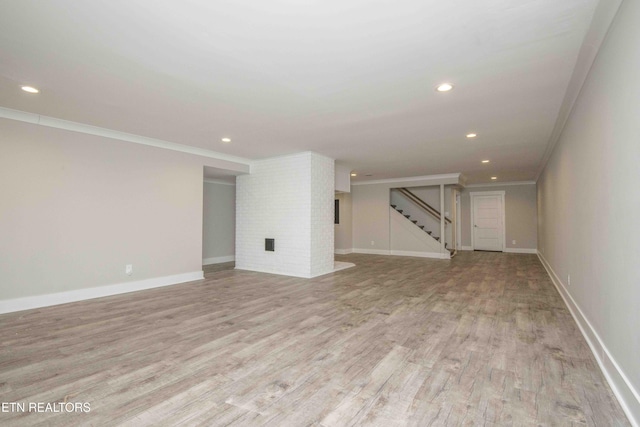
[(399, 210), (393, 206), (437, 238), (407, 216), (421, 226), (429, 232)]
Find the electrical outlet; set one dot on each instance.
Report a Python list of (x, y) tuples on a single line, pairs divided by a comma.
[(128, 269), (373, 243), (568, 280), (513, 242)]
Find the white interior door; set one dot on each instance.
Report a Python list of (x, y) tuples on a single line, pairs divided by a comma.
[(487, 222)]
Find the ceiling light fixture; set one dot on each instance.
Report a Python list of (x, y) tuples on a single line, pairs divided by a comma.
[(471, 135), (444, 87), (354, 174), (494, 177), (30, 89), (226, 140), (485, 161)]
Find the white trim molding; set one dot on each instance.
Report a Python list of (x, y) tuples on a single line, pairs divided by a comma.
[(52, 122), (622, 387), (38, 301), (458, 177), (504, 214), (218, 181), (371, 251), (436, 255), (501, 184), (507, 250), (343, 251), (520, 250), (218, 260), (603, 17)]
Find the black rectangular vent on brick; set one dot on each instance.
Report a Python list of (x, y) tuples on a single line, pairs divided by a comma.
[(270, 245)]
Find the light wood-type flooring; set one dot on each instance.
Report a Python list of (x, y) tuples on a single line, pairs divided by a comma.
[(481, 340)]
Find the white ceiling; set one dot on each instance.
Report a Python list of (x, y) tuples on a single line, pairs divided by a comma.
[(351, 79)]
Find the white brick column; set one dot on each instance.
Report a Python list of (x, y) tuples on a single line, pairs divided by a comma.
[(289, 199)]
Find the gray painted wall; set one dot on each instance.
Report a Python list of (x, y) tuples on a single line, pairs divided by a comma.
[(370, 217), (588, 200), (219, 221), (371, 214), (371, 210), (75, 208), (520, 214)]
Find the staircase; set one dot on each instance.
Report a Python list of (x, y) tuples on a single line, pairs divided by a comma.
[(423, 207), (422, 227)]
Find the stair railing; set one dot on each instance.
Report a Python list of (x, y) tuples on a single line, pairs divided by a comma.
[(422, 204)]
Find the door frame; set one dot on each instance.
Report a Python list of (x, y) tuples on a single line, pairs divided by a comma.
[(458, 220), (504, 220)]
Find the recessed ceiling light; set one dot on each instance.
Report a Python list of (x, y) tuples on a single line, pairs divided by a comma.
[(494, 177), (369, 174), (485, 161), (471, 135), (30, 89), (444, 87), (354, 174), (226, 139)]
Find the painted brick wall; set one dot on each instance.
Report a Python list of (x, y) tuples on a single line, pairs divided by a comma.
[(322, 205), (275, 201)]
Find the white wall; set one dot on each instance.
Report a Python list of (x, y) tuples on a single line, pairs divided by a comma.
[(520, 215), (589, 204), (219, 223), (75, 208), (343, 231), (343, 179), (289, 199)]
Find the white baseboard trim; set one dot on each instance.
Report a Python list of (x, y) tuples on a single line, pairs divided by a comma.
[(520, 251), (401, 253), (626, 394), (466, 248), (279, 273), (371, 251), (218, 260), (38, 301), (343, 251), (436, 255)]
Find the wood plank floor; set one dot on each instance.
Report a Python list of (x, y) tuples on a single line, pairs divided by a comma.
[(483, 339)]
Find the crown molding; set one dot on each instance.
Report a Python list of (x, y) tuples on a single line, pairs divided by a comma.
[(603, 17), (218, 181), (457, 176), (52, 122), (501, 184)]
